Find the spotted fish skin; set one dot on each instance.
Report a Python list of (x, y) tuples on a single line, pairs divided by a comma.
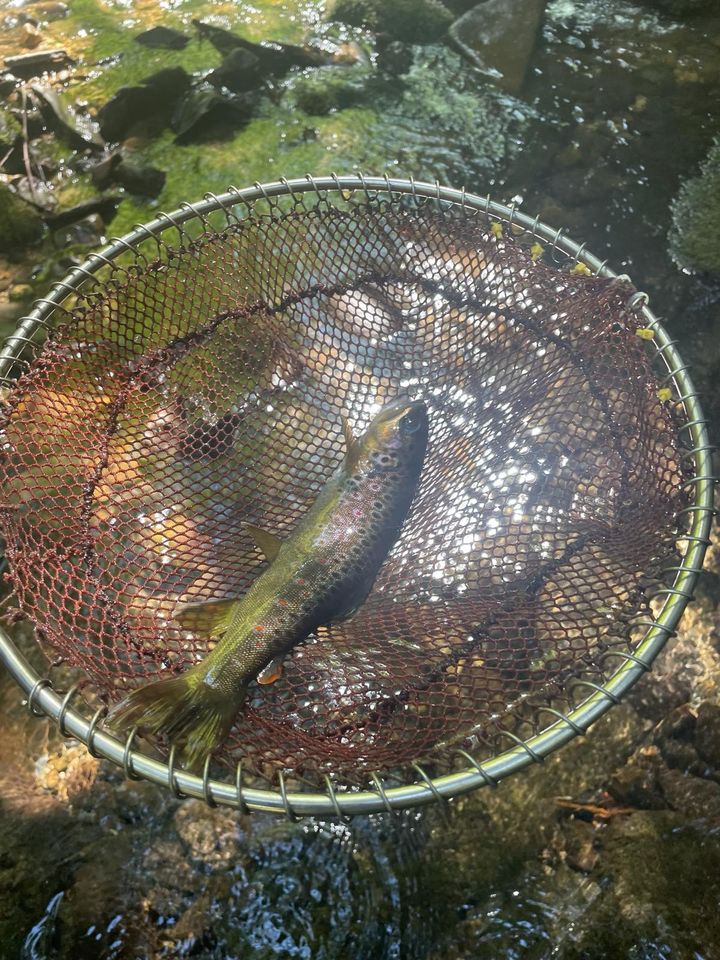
[(321, 573)]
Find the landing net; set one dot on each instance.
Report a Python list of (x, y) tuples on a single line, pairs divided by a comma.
[(195, 390)]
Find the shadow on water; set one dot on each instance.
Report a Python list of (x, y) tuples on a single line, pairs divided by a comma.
[(620, 106)]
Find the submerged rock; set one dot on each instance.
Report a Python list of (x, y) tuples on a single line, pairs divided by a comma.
[(20, 224), (27, 65), (166, 38), (64, 122), (141, 179), (499, 36), (414, 21), (695, 234), (273, 58), (206, 114), (104, 206), (149, 105), (240, 71)]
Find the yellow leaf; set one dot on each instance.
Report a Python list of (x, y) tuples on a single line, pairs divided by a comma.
[(582, 269), (645, 333), (496, 229), (536, 251), (664, 394)]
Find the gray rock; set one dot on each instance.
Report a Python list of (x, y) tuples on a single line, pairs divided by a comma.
[(138, 178), (104, 206), (499, 36)]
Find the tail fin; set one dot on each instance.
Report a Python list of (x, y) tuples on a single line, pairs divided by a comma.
[(192, 715)]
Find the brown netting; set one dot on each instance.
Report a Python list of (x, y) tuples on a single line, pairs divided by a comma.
[(203, 390)]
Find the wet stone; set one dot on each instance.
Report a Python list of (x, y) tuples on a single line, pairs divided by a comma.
[(104, 206), (148, 107), (166, 38), (637, 784), (206, 114), (694, 797), (239, 71), (274, 59), (29, 65), (63, 121), (707, 734), (499, 36), (580, 845)]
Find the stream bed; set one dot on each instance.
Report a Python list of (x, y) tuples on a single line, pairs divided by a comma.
[(616, 112)]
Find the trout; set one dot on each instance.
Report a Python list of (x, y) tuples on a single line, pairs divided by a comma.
[(321, 573)]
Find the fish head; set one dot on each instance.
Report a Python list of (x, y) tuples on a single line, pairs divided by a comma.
[(396, 436)]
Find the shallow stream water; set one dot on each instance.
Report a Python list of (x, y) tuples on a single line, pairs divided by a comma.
[(620, 106)]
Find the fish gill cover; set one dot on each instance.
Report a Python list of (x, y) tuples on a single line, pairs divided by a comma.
[(193, 393)]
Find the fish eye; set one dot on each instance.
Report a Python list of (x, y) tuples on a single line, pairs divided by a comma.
[(410, 423)]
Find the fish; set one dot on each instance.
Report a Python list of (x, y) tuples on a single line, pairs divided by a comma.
[(321, 573)]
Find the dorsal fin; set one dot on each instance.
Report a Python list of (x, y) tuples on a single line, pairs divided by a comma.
[(352, 447), (209, 619), (268, 544)]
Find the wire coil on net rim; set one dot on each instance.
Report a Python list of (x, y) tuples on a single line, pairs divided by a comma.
[(196, 385)]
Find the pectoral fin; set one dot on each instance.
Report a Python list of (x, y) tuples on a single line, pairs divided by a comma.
[(267, 543), (352, 448), (272, 672), (208, 619)]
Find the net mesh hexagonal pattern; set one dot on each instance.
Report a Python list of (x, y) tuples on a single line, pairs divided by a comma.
[(189, 394)]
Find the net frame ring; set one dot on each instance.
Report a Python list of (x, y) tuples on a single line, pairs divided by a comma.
[(79, 722)]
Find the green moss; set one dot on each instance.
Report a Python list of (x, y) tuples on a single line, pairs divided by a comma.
[(695, 234)]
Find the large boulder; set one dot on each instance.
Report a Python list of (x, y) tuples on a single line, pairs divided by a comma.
[(499, 36), (695, 234)]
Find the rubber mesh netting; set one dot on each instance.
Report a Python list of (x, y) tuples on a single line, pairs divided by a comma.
[(202, 389)]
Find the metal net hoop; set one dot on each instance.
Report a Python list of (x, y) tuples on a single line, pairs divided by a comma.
[(144, 245)]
